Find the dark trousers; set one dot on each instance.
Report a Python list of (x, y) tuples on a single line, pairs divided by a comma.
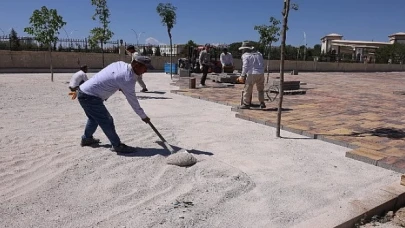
[(204, 76)]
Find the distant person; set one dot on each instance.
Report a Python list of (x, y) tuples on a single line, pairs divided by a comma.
[(134, 53), (226, 60), (253, 70), (77, 79), (204, 60), (92, 94)]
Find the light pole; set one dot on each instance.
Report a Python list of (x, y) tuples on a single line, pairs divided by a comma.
[(71, 41), (71, 32), (68, 37), (137, 37), (268, 60), (67, 34)]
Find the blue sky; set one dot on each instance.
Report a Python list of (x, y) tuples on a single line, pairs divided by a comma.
[(219, 21)]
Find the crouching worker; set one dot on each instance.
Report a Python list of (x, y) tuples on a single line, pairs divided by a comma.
[(77, 79), (253, 70), (100, 87), (226, 61)]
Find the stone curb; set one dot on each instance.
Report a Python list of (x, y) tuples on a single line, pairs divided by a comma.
[(377, 202)]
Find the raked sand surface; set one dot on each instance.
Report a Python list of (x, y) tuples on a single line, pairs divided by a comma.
[(245, 176)]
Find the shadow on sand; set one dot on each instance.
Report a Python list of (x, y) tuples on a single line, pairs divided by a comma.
[(148, 152), (155, 92), (156, 98)]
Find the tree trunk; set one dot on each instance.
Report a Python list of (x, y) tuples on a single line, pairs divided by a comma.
[(281, 90), (102, 52), (268, 63), (171, 55), (50, 60)]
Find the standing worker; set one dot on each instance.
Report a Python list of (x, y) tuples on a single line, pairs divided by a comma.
[(253, 71), (204, 59), (133, 52), (92, 94), (226, 61), (77, 79)]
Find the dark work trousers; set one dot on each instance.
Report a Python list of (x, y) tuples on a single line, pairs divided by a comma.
[(204, 76)]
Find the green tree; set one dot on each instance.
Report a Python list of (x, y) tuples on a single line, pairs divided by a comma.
[(101, 34), (384, 54), (285, 13), (167, 13), (317, 50), (186, 48), (14, 41), (60, 47), (157, 51), (45, 26), (150, 51), (394, 52), (144, 51), (269, 34), (233, 48)]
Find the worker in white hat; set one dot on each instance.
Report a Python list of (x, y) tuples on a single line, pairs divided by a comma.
[(131, 49), (253, 71)]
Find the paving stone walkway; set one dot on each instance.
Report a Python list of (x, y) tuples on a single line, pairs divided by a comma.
[(361, 111)]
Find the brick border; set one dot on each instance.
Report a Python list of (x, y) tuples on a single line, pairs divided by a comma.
[(380, 162)]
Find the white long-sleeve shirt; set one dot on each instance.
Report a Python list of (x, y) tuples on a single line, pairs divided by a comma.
[(204, 58), (77, 79), (118, 75), (252, 63), (226, 59), (134, 55)]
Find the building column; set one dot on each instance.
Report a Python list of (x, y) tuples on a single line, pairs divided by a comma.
[(354, 54), (338, 54)]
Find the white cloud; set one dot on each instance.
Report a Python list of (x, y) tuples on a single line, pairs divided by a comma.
[(153, 41)]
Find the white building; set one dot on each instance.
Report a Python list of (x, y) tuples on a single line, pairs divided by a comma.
[(360, 50), (165, 49)]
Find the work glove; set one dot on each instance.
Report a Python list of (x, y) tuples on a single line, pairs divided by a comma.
[(73, 94), (241, 79), (146, 120), (201, 67)]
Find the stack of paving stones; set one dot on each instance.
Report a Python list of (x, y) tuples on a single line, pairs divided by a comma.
[(225, 78), (289, 87)]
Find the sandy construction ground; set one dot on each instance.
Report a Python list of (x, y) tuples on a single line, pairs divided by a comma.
[(245, 177)]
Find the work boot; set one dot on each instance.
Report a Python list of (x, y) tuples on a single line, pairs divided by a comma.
[(144, 90), (89, 141), (262, 105), (244, 106), (122, 148)]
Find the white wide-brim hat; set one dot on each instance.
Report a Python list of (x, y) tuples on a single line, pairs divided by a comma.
[(246, 45)]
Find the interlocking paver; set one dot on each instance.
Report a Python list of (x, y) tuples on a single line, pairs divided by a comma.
[(358, 110)]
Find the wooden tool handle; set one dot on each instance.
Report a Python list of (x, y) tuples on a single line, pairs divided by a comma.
[(170, 148)]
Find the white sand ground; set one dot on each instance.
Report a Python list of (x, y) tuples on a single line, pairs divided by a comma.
[(252, 179)]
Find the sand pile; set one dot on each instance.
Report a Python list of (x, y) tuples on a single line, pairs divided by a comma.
[(182, 159)]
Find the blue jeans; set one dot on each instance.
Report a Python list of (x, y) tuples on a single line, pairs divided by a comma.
[(98, 115)]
